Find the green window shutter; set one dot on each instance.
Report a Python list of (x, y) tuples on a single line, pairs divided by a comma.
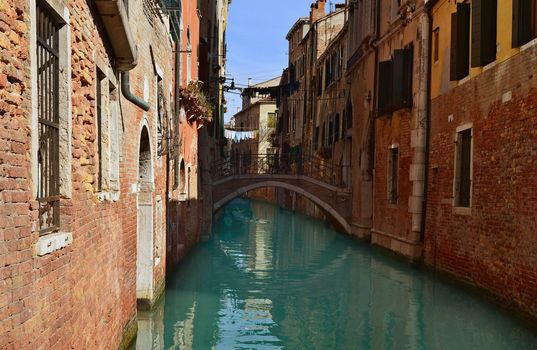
[(460, 42), (453, 50), (484, 19), (402, 78), (398, 67), (522, 31), (384, 88)]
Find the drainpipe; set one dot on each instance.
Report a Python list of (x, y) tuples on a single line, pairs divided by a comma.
[(373, 115), (125, 89), (428, 8), (418, 174)]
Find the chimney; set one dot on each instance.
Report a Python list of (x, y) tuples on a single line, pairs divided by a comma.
[(250, 82), (317, 10)]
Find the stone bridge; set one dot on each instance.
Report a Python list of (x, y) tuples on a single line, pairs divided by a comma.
[(323, 183)]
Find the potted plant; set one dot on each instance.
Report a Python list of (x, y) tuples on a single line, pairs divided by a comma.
[(198, 107)]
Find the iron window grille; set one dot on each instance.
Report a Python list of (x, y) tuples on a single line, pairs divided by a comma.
[(48, 155), (393, 175)]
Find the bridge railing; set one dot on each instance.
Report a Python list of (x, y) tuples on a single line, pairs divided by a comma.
[(287, 164)]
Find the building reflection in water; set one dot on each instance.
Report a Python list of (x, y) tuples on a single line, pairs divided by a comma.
[(151, 328), (270, 279)]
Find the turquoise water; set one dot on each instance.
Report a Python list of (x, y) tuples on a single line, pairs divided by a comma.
[(270, 279)]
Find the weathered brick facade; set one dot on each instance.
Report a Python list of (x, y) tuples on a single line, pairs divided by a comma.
[(78, 288), (492, 244)]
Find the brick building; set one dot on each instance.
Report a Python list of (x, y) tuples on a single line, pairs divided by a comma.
[(258, 118), (360, 107), (184, 212), (213, 51), (481, 199), (299, 110), (399, 130), (81, 170), (98, 165)]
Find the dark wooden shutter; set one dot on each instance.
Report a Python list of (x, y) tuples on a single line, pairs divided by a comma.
[(398, 67), (384, 88), (460, 42), (408, 74), (402, 78), (484, 13), (522, 31), (465, 164), (453, 50)]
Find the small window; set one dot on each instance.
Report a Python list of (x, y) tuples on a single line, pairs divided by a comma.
[(188, 187), (101, 80), (48, 110), (436, 43), (162, 135), (182, 177), (463, 170), (177, 177), (393, 172)]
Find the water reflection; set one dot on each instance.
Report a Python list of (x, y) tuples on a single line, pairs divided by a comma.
[(269, 280)]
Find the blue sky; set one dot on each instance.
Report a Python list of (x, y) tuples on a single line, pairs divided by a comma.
[(256, 42)]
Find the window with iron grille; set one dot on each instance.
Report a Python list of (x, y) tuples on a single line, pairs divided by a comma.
[(393, 164), (463, 170), (100, 128), (48, 157)]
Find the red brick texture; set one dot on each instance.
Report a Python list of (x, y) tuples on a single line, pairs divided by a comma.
[(393, 218), (82, 296), (495, 246)]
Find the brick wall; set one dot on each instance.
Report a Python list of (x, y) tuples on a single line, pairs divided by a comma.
[(492, 246), (392, 218), (84, 295)]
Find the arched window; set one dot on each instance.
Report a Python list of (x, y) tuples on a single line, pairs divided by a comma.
[(188, 56), (182, 179), (189, 185)]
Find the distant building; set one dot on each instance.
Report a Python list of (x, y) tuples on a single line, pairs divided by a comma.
[(254, 127)]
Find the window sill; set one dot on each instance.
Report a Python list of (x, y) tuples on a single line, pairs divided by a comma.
[(108, 196), (528, 45), (464, 80), (490, 65), (464, 211), (52, 242)]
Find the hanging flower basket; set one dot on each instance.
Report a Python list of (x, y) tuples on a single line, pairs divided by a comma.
[(197, 106)]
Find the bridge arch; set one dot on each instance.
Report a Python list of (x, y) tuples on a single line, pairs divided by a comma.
[(332, 212)]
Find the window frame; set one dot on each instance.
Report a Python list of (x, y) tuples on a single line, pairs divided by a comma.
[(393, 174), (459, 132), (436, 44), (61, 111)]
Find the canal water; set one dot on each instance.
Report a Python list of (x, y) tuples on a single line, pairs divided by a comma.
[(271, 279)]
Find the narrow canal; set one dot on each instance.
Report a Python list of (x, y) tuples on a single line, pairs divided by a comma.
[(270, 279)]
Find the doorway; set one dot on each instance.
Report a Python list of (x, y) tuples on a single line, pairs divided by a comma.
[(144, 242)]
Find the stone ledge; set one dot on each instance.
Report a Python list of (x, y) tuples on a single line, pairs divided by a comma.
[(53, 242)]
